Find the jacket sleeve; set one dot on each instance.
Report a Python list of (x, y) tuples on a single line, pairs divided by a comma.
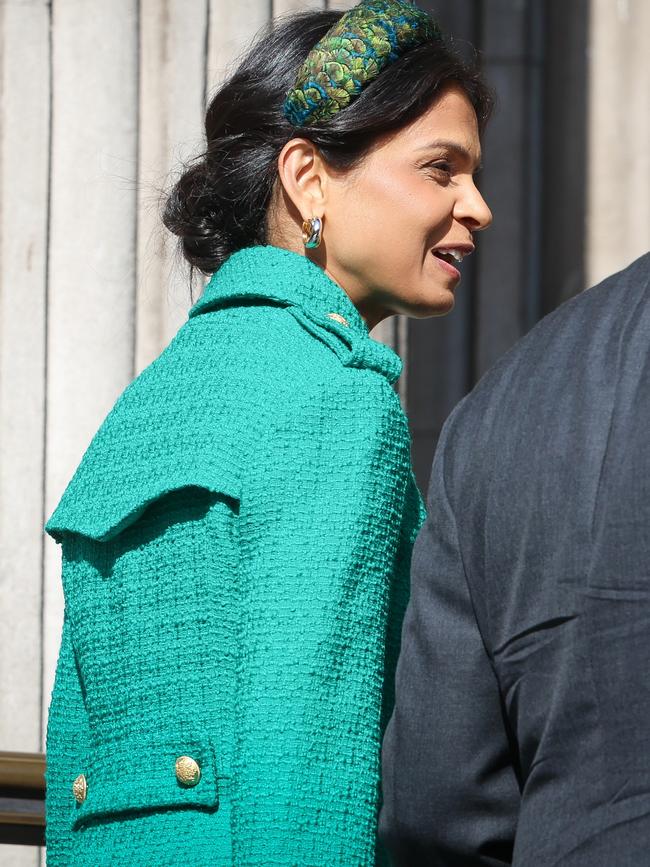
[(146, 642), (64, 751), (247, 634), (413, 516), (450, 792), (321, 532)]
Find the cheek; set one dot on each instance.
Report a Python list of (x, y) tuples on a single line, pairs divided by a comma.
[(376, 202), (390, 207)]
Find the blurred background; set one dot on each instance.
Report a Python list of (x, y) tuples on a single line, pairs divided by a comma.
[(101, 101)]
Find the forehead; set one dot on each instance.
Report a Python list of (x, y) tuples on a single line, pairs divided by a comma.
[(451, 120)]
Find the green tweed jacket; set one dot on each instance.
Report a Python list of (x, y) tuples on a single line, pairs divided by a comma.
[(236, 545)]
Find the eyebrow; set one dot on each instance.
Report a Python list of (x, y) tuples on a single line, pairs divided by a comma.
[(453, 146)]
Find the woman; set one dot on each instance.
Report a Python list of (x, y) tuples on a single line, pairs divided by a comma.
[(236, 540)]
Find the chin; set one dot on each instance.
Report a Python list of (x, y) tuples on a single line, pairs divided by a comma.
[(427, 308)]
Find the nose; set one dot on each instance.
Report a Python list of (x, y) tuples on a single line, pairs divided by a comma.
[(471, 208)]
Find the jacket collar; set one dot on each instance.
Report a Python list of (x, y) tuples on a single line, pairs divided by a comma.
[(292, 280)]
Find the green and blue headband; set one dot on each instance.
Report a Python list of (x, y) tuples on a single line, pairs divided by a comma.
[(363, 42)]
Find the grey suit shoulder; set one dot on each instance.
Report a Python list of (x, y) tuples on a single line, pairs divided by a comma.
[(522, 684)]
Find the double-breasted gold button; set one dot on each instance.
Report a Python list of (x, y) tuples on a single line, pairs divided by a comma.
[(80, 789), (188, 772), (338, 318)]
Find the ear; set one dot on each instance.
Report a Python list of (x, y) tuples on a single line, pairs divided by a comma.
[(302, 173)]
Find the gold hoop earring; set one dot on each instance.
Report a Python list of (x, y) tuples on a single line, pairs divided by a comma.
[(312, 232)]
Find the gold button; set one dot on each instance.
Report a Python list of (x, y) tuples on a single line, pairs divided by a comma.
[(188, 772), (338, 318), (80, 789)]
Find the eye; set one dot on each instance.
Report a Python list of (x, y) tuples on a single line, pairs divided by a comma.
[(440, 170), (442, 166)]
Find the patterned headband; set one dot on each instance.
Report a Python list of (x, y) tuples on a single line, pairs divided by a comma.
[(363, 42)]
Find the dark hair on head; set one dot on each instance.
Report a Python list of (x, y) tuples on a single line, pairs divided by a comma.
[(219, 203)]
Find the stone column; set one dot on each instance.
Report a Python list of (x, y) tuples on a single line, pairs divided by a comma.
[(618, 150)]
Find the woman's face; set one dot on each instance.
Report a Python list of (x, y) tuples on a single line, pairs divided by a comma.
[(390, 224)]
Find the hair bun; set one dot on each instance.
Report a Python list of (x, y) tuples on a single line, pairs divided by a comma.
[(195, 213)]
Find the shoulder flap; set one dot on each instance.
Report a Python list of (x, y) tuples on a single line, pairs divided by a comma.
[(165, 432)]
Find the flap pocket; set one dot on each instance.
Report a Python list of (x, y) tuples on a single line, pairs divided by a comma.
[(133, 775)]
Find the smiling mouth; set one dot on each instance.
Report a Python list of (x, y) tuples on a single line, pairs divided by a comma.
[(449, 256), (447, 261)]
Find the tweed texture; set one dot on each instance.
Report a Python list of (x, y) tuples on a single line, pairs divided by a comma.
[(236, 546)]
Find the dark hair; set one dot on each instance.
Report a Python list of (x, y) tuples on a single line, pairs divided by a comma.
[(219, 203)]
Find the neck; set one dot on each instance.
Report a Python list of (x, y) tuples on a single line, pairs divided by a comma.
[(370, 310)]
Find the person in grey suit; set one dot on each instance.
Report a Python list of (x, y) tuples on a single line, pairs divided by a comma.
[(521, 730)]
